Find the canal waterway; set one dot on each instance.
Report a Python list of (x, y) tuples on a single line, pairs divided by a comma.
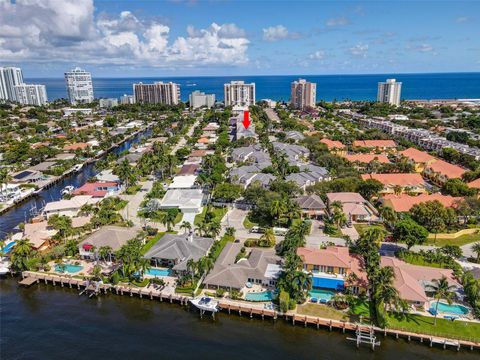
[(23, 212), (47, 322)]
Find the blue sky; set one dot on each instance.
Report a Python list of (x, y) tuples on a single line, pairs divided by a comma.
[(213, 37)]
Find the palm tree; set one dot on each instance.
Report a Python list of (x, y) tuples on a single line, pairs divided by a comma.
[(71, 248), (388, 215), (5, 178), (267, 239), (125, 173), (104, 252), (441, 290), (214, 228), (191, 268), (476, 249), (61, 223), (20, 254), (96, 272), (386, 293), (397, 190), (302, 282), (186, 226)]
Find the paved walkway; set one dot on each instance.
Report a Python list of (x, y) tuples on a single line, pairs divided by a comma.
[(350, 231)]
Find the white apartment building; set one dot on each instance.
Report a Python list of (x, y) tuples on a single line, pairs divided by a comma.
[(303, 94), (389, 92), (31, 94), (127, 99), (198, 99), (9, 78), (79, 86), (108, 103), (237, 93), (157, 93)]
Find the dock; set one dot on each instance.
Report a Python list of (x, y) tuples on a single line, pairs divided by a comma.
[(364, 332)]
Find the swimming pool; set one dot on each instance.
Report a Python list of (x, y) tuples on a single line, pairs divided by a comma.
[(455, 309), (9, 247), (260, 296), (69, 268), (158, 272), (325, 295)]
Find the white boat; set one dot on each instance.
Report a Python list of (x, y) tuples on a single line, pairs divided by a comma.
[(4, 267), (205, 303), (77, 167), (67, 190)]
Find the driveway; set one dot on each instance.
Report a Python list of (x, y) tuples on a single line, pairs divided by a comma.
[(350, 231), (129, 212)]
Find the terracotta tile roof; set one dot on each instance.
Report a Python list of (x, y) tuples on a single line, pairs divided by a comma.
[(75, 146), (404, 202), (94, 189), (451, 171), (396, 179), (198, 153), (203, 140), (366, 158), (475, 184), (346, 197), (417, 155), (332, 144), (188, 169), (374, 143), (409, 278)]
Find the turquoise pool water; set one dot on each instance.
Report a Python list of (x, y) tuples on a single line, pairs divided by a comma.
[(159, 272), (260, 296), (69, 268), (455, 309), (325, 295)]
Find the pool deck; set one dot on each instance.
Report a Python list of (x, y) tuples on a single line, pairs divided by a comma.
[(245, 308)]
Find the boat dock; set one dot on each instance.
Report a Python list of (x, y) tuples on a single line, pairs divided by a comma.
[(242, 308)]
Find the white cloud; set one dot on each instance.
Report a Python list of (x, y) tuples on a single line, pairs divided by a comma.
[(69, 31), (317, 55), (462, 19), (424, 48), (360, 50), (279, 32), (339, 21)]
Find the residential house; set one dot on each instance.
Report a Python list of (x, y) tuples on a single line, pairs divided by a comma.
[(68, 207), (246, 175), (475, 184), (412, 281), (75, 146), (174, 251), (404, 202), (295, 153), (113, 236), (376, 145), (186, 200), (419, 159), (367, 158), (309, 175), (334, 268), (260, 266), (405, 182), (440, 171), (98, 189), (354, 206), (26, 176), (294, 135), (312, 206), (334, 146)]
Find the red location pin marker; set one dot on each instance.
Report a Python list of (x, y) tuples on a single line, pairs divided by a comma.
[(246, 119)]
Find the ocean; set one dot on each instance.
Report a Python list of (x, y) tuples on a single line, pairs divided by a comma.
[(329, 87)]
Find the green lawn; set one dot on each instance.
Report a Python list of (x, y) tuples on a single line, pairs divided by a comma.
[(323, 311), (362, 227), (219, 213), (444, 328), (461, 240), (248, 224)]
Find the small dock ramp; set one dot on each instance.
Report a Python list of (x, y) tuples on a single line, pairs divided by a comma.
[(28, 281)]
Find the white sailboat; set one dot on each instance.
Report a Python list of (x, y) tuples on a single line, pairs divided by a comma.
[(205, 303)]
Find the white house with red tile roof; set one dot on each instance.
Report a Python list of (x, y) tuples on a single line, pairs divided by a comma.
[(367, 158), (375, 144), (419, 159)]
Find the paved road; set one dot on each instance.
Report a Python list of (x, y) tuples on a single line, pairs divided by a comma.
[(183, 140), (129, 212)]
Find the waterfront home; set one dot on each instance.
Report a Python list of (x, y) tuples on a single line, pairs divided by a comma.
[(406, 182), (174, 251), (312, 206), (375, 145), (412, 281), (107, 176), (255, 268), (69, 207), (404, 202), (43, 167), (113, 236), (26, 176), (132, 158), (334, 268), (440, 171), (98, 189), (354, 206), (334, 146), (419, 159)]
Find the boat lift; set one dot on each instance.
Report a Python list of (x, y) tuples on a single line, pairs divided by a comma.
[(365, 337)]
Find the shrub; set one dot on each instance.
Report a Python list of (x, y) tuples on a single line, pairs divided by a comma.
[(220, 292), (284, 301), (250, 243)]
